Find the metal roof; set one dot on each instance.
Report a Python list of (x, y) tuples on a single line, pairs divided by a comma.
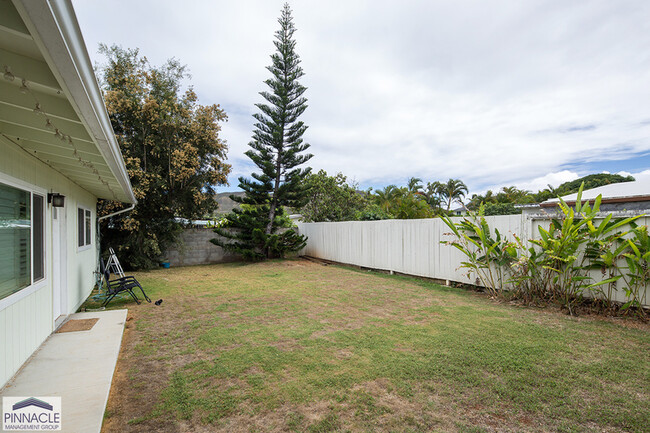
[(50, 102), (638, 190)]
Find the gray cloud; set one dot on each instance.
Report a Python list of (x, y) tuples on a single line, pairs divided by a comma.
[(428, 89)]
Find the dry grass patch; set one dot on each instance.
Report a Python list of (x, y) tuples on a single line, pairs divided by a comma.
[(295, 346)]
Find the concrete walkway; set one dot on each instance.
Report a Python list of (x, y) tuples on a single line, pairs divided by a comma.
[(78, 367)]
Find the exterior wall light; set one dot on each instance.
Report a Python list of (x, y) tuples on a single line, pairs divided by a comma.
[(56, 199)]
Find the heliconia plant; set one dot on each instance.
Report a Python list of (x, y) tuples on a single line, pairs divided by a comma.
[(637, 276), (488, 256), (556, 266)]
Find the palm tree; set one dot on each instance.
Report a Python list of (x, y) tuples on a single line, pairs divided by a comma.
[(386, 198), (414, 184), (511, 194), (432, 194), (410, 207), (451, 191)]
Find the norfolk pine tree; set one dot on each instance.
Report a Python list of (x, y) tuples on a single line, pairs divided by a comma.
[(277, 150)]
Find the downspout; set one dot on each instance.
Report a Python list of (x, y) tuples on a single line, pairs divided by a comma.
[(99, 252), (97, 272), (128, 209)]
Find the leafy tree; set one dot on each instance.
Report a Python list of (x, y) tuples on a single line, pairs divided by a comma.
[(277, 150), (410, 206), (545, 194), (501, 209), (503, 202), (414, 185), (172, 150), (452, 191), (432, 196), (403, 203), (511, 194), (372, 212), (477, 199), (386, 198), (331, 198)]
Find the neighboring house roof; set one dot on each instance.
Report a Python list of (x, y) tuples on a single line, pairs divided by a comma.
[(460, 208), (41, 43), (623, 192)]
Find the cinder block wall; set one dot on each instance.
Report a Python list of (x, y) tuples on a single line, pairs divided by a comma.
[(195, 248)]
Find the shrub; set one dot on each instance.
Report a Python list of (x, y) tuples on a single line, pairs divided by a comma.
[(556, 267)]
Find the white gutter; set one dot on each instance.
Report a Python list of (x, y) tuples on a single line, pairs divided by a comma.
[(98, 231), (54, 27), (128, 209)]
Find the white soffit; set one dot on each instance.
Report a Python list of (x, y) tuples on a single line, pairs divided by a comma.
[(40, 42)]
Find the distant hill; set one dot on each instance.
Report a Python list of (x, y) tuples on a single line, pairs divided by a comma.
[(591, 181), (226, 205)]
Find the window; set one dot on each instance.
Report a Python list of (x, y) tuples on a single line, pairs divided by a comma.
[(38, 241), (83, 227), (22, 239)]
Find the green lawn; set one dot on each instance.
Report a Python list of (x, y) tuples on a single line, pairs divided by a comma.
[(297, 346)]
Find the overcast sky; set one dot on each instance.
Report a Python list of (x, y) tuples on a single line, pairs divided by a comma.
[(494, 93)]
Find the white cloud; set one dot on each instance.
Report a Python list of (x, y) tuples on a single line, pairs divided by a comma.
[(553, 179), (494, 93), (642, 175)]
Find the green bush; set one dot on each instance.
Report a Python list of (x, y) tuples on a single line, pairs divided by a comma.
[(556, 267)]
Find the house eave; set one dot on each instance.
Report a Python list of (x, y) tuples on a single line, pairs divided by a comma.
[(630, 199), (55, 30)]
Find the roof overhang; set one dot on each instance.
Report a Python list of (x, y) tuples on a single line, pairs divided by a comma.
[(41, 43), (621, 192), (630, 199)]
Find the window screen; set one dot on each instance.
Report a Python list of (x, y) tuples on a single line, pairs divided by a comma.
[(88, 231), (15, 244), (81, 232), (38, 243), (84, 230)]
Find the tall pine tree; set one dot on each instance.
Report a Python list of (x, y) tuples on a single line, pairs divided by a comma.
[(260, 228)]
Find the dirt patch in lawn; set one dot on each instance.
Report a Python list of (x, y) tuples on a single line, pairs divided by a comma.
[(294, 346)]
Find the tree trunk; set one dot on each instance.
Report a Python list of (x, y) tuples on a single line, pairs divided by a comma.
[(274, 200)]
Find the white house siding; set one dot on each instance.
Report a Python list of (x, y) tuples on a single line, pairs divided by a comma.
[(25, 324)]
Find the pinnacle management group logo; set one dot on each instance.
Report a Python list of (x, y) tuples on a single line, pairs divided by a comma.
[(31, 413)]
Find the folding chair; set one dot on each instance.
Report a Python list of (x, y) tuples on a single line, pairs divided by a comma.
[(119, 285)]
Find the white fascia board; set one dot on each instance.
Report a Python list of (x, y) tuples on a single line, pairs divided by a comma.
[(54, 27), (635, 190)]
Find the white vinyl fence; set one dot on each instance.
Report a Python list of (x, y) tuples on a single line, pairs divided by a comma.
[(410, 246)]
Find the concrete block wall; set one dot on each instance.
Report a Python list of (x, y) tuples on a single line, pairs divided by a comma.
[(194, 248)]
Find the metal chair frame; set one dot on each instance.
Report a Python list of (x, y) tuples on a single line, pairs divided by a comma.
[(119, 285)]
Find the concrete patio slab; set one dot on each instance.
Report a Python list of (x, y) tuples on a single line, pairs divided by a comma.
[(76, 366)]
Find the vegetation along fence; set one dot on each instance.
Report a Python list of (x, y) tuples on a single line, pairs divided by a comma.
[(414, 247)]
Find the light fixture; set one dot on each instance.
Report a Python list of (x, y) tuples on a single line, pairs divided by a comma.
[(48, 124), (57, 134), (23, 87), (38, 109), (56, 199)]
